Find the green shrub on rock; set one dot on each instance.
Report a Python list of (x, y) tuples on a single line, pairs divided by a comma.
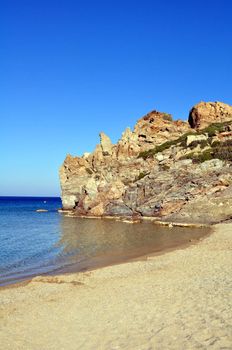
[(167, 117), (223, 150), (216, 128), (201, 143), (166, 145), (212, 130), (199, 157)]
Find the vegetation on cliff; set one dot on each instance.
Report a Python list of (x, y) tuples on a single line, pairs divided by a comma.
[(166, 145), (212, 130)]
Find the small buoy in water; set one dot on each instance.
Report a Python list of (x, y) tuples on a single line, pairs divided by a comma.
[(41, 210), (45, 201)]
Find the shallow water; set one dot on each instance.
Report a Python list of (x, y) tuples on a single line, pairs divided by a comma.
[(33, 243)]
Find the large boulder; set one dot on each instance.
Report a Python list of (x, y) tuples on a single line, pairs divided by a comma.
[(206, 113)]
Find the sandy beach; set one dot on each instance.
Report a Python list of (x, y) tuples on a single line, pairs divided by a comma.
[(179, 300)]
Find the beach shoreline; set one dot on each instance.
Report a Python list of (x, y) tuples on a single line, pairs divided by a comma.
[(110, 259), (178, 300), (134, 219)]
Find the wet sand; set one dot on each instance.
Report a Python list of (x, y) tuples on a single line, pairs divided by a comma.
[(178, 300)]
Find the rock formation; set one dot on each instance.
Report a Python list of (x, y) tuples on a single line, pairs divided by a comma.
[(205, 113), (170, 170)]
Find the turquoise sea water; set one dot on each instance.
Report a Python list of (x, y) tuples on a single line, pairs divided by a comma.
[(33, 243)]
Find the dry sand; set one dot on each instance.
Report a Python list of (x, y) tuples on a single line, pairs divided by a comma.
[(179, 300)]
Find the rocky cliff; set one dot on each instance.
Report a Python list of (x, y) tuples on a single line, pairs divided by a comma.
[(170, 170)]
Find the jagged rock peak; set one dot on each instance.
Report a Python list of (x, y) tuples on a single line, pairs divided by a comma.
[(127, 134), (205, 113), (106, 144), (154, 115)]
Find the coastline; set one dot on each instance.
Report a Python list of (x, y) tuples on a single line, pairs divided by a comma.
[(182, 240), (177, 300), (134, 220), (72, 269)]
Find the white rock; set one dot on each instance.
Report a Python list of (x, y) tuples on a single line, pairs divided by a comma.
[(213, 163), (86, 154), (159, 157), (192, 138)]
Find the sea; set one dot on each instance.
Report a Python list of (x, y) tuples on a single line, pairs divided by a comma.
[(36, 243)]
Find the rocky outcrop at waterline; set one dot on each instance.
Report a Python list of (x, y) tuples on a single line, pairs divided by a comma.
[(169, 170)]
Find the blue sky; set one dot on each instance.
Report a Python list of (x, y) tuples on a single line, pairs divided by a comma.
[(70, 69)]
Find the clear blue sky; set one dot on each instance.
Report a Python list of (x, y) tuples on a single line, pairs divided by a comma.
[(69, 69)]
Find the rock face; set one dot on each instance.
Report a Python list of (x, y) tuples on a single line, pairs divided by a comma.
[(163, 168), (156, 128), (205, 113)]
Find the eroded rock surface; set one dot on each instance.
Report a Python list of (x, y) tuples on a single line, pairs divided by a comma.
[(205, 113), (163, 168)]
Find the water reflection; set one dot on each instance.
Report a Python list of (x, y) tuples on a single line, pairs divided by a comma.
[(98, 242), (56, 244)]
